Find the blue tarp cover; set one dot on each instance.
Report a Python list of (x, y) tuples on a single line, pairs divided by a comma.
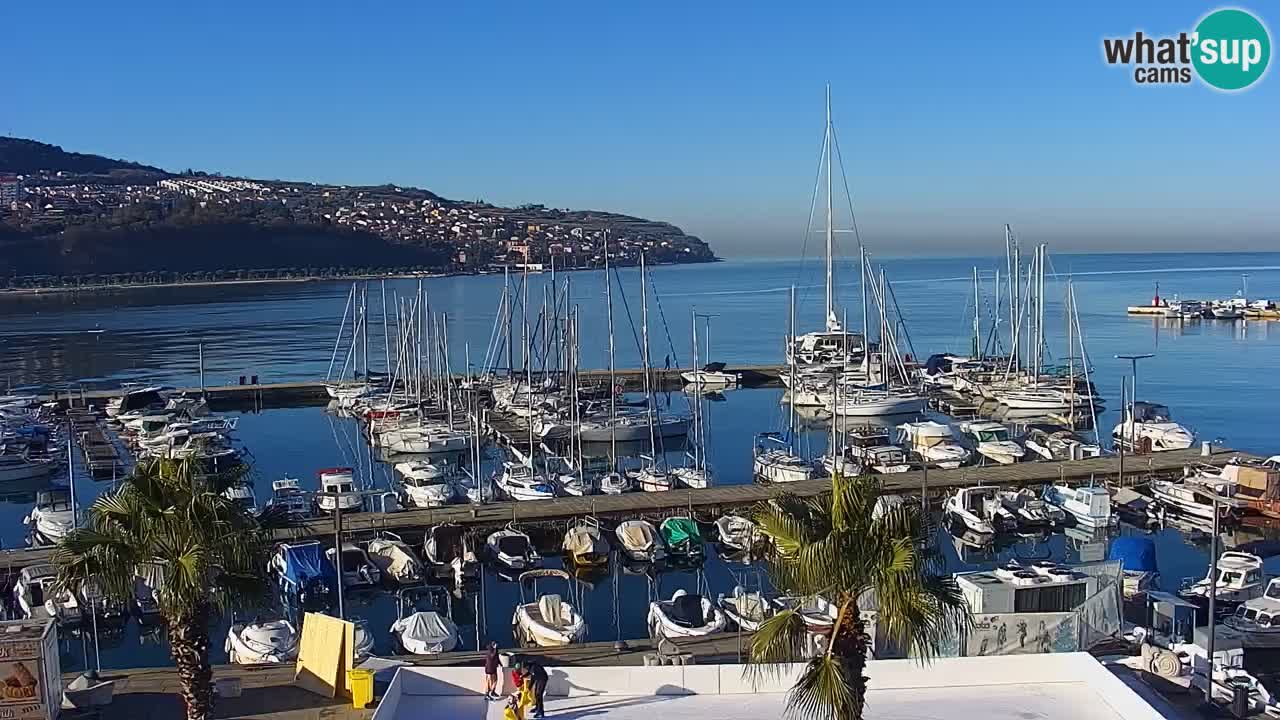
[(306, 562), (1135, 553)]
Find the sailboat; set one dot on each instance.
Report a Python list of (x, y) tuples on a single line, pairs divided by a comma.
[(774, 459), (697, 473)]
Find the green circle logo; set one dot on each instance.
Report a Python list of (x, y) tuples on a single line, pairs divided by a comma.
[(1232, 49)]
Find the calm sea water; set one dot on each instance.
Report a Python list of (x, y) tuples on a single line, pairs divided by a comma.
[(1212, 374)]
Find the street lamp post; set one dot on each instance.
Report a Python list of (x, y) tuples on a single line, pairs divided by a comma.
[(337, 543), (1133, 394)]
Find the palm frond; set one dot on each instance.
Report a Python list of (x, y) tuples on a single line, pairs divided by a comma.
[(826, 690)]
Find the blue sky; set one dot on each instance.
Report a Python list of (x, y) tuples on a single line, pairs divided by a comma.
[(953, 118)]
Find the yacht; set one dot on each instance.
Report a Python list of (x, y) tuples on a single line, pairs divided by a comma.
[(1089, 506), (337, 486), (992, 441), (1258, 619), (1029, 510), (933, 443), (1148, 427), (980, 510), (1053, 443), (51, 518), (288, 497), (774, 462), (1195, 499), (1236, 579), (870, 447), (426, 484)]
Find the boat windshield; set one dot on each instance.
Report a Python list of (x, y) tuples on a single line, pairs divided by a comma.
[(1227, 577), (1000, 435), (1273, 590)]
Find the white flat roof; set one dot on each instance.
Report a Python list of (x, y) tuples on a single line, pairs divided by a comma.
[(1071, 686)]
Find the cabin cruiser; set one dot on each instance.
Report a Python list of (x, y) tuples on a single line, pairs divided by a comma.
[(15, 468), (737, 532), (1148, 427), (1137, 556), (830, 349), (870, 447), (991, 440), (306, 576), (640, 541), (137, 398), (51, 518), (449, 545), (683, 540), (1029, 510), (1090, 506), (747, 610), (422, 631), (1052, 443), (774, 462), (426, 484), (512, 549), (711, 374), (978, 509), (584, 545), (933, 443), (547, 621), (241, 493), (1258, 619), (355, 569), (1237, 578), (261, 642), (337, 488), (395, 560), (288, 497), (684, 615), (38, 597), (1196, 499)]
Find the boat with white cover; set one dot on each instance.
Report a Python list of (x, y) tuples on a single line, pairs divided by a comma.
[(423, 626), (737, 532), (684, 615), (641, 541), (933, 443), (746, 610), (261, 642), (548, 620), (512, 549), (51, 518), (395, 559)]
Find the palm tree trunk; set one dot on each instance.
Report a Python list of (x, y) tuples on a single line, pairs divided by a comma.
[(189, 646), (850, 646)]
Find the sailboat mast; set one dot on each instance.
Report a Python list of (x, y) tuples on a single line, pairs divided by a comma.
[(697, 386), (831, 301), (528, 366), (791, 337), (509, 309), (644, 334), (866, 328), (977, 330), (613, 382), (386, 339)]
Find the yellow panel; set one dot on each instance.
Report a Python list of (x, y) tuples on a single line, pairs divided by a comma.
[(325, 654)]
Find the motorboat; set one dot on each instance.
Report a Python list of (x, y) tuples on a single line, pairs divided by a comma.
[(1029, 510), (137, 398), (356, 568), (933, 443), (16, 468), (711, 374), (584, 545), (362, 638), (1195, 499), (1137, 556), (1149, 427), (979, 509), (512, 549), (288, 497), (1238, 577), (105, 607), (1089, 506), (241, 493), (52, 518), (616, 483), (684, 615), (261, 642), (683, 540), (1258, 619), (746, 610), (547, 621), (426, 484), (38, 596), (307, 578), (395, 560), (519, 481), (1050, 443), (992, 441), (641, 541), (818, 614), (870, 447), (337, 490), (449, 545), (423, 625), (737, 532), (775, 462)]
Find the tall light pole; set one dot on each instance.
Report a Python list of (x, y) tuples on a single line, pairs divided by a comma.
[(1133, 395)]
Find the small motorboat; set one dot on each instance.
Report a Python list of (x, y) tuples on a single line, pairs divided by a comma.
[(641, 541), (1029, 510), (424, 626), (428, 485), (241, 493), (512, 549), (519, 481), (288, 497), (306, 576), (1238, 577), (338, 490), (356, 568), (547, 621), (1089, 506), (363, 639), (684, 615), (450, 546), (584, 545), (747, 610), (737, 532), (992, 441), (978, 509), (51, 518), (683, 540), (818, 614), (261, 642), (395, 560), (38, 597)]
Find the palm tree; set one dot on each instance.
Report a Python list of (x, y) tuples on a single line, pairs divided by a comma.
[(198, 550), (832, 547)]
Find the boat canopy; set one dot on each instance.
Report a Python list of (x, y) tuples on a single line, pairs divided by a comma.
[(306, 562), (1136, 554), (714, 367), (1150, 412), (678, 531)]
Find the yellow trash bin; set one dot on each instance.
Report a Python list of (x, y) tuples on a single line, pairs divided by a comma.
[(361, 684)]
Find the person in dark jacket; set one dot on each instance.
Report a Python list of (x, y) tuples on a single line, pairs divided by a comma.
[(491, 671), (536, 675)]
